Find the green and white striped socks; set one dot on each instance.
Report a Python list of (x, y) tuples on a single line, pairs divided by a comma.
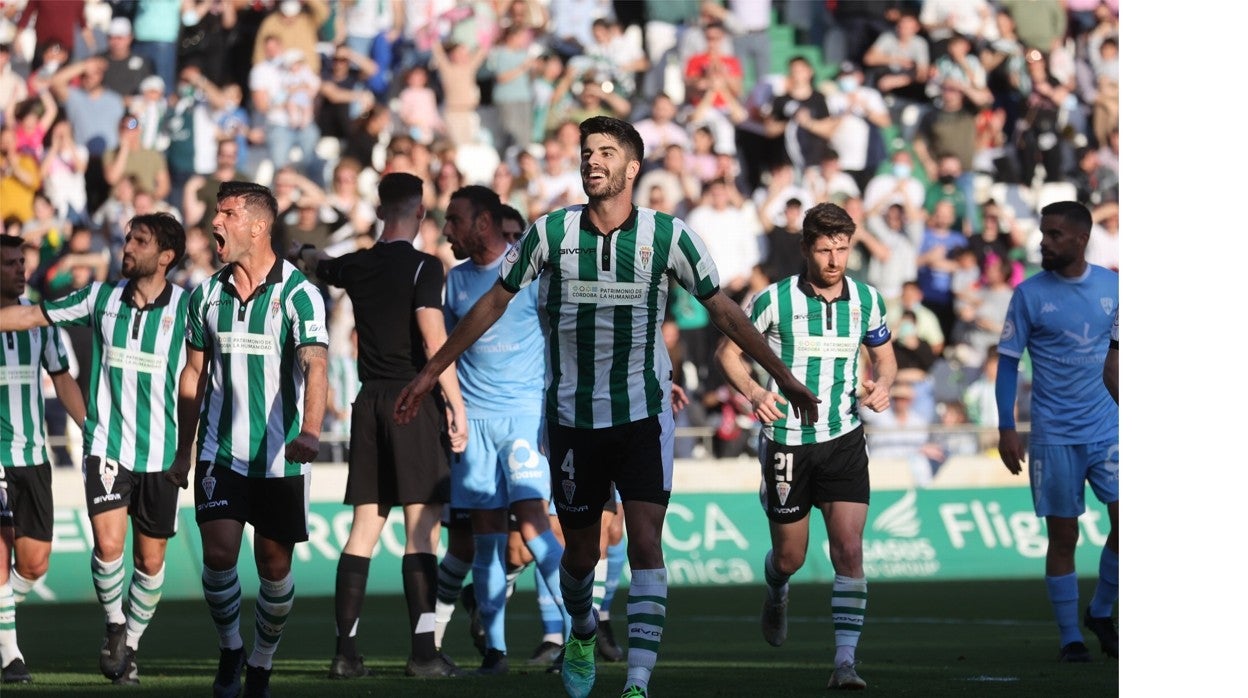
[(109, 577), (144, 594)]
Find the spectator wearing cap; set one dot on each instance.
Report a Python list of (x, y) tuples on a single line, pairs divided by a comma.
[(156, 29), (150, 105), (126, 69), (94, 110), (131, 158)]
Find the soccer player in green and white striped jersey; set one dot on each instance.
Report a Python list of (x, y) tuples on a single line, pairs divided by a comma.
[(25, 470), (258, 403), (818, 322), (604, 270), (138, 328)]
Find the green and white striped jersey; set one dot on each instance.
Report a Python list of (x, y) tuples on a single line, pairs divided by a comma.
[(253, 402), (819, 341), (23, 430), (136, 358), (601, 302)]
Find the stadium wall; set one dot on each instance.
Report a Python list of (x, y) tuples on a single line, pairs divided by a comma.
[(974, 521)]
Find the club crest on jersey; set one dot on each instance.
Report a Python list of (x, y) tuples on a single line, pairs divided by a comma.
[(108, 475), (166, 324), (275, 307), (855, 316), (513, 254), (782, 489), (643, 253), (209, 483), (569, 489), (1107, 304)]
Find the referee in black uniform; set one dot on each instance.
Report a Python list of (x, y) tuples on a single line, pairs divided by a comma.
[(396, 294)]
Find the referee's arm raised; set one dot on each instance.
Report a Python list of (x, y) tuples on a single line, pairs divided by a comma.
[(485, 312)]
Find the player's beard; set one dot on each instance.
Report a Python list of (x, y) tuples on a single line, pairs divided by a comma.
[(612, 187), (132, 268), (1055, 261)]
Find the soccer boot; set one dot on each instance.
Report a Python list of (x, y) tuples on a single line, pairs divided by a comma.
[(1104, 630), (578, 670), (1076, 652), (16, 672), (775, 619), (130, 674), (439, 667), (545, 653), (844, 678), (494, 664), (228, 682), (607, 647), (344, 667), (257, 683), (113, 651)]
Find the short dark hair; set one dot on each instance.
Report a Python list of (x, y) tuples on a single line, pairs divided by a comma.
[(7, 240), (399, 194), (826, 220), (169, 233), (255, 197), (482, 200), (1072, 211), (619, 130), (507, 212)]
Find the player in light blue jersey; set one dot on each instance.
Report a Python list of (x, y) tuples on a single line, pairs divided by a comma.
[(1109, 372), (1062, 317), (502, 376)]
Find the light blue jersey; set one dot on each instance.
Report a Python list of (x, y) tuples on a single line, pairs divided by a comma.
[(1065, 325), (503, 374)]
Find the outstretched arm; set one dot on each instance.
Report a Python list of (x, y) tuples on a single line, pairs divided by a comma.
[(731, 320), (484, 314)]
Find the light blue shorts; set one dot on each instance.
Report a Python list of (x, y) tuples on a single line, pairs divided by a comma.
[(502, 464), (1058, 474)]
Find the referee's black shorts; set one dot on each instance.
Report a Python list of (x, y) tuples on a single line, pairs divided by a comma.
[(394, 464)]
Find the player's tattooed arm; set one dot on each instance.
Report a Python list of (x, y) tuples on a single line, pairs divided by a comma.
[(314, 361)]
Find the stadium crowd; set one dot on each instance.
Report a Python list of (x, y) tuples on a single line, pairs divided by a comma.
[(941, 126)]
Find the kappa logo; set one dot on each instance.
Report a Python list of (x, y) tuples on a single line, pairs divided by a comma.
[(1048, 308), (522, 456), (569, 490), (209, 483), (783, 489)]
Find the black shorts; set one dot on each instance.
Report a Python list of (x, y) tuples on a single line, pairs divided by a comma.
[(798, 477), (27, 501), (457, 519), (584, 463), (150, 499), (393, 464), (277, 507)]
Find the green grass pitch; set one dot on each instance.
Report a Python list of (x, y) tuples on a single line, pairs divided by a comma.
[(931, 639)]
